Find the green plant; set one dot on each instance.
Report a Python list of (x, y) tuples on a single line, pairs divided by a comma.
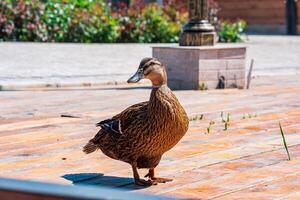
[(211, 123), (249, 116), (202, 86), (148, 25), (284, 142), (57, 18), (231, 32), (91, 21), (225, 121), (87, 21), (222, 114), (21, 21), (201, 117), (197, 117), (6, 21), (157, 26)]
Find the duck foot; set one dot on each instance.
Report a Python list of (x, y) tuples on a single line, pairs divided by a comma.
[(137, 180), (142, 182), (156, 180)]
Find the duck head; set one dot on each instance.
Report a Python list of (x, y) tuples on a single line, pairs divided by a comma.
[(152, 69)]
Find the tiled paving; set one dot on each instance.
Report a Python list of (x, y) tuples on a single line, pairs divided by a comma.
[(248, 161)]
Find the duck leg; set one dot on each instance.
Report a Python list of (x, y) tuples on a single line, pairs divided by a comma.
[(154, 179), (137, 180)]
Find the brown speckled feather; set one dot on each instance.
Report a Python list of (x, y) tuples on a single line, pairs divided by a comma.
[(125, 118), (148, 130)]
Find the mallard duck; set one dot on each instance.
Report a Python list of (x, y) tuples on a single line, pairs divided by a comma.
[(142, 133)]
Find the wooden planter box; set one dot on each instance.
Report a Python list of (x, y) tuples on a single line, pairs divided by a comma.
[(193, 68)]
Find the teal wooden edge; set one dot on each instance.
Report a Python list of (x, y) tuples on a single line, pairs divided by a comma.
[(71, 192)]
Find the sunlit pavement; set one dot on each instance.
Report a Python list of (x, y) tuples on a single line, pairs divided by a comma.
[(40, 63)]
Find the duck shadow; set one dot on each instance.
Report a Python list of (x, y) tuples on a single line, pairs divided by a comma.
[(99, 179)]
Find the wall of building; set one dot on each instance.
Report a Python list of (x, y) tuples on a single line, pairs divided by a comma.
[(262, 16), (298, 13)]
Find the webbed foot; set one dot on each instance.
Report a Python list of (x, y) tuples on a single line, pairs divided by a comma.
[(137, 180), (142, 182), (156, 180)]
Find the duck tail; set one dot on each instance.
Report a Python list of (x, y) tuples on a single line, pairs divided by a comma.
[(90, 147)]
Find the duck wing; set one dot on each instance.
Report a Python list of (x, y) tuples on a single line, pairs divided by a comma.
[(120, 122), (117, 125)]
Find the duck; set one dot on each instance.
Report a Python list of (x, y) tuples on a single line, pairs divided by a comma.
[(143, 132)]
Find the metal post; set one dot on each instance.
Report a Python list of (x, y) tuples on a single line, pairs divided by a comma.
[(198, 31), (291, 17)]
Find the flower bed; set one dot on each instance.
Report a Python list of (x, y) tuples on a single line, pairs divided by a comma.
[(87, 21)]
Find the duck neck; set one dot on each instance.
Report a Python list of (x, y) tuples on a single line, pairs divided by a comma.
[(160, 79), (158, 91), (158, 83), (159, 103), (156, 87)]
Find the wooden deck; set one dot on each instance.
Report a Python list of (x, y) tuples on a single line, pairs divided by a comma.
[(248, 161)]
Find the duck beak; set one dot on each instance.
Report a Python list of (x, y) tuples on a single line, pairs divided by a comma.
[(136, 77)]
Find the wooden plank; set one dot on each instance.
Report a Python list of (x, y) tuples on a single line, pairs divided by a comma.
[(213, 185), (46, 147), (23, 190), (287, 187)]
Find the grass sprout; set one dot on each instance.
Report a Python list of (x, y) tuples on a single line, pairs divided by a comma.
[(201, 117), (226, 126), (249, 116), (225, 121), (284, 142), (228, 118), (202, 86), (197, 117), (222, 114), (209, 126)]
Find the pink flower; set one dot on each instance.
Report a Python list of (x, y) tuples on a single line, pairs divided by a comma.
[(143, 26), (31, 26), (2, 18), (9, 28)]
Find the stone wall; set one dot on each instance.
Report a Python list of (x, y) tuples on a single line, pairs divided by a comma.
[(193, 68)]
